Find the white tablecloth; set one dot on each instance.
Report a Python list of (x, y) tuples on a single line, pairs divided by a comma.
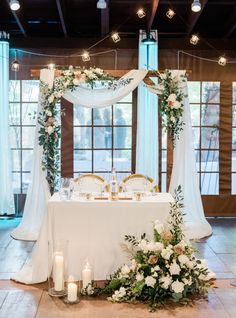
[(94, 230)]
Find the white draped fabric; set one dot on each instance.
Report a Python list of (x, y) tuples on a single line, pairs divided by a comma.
[(184, 173), (6, 191), (38, 192), (101, 97)]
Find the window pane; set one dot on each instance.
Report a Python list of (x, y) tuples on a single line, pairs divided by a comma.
[(234, 161), (198, 159), (194, 92), (233, 182), (83, 160), (30, 91), (102, 116), (83, 137), (234, 138), (211, 92), (29, 113), (122, 160), (163, 182), (210, 138), (27, 160), (25, 182), (195, 114), (102, 160), (196, 138), (126, 99), (82, 115), (14, 91), (210, 160), (210, 183), (234, 114), (16, 182), (234, 92), (164, 139), (28, 137), (210, 115), (163, 161), (14, 113), (123, 114), (102, 137), (15, 137), (122, 137), (16, 159)]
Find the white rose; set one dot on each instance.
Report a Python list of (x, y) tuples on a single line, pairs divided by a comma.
[(177, 287), (51, 99), (176, 104), (158, 226), (143, 246), (171, 98), (139, 277), (187, 281), (122, 291), (48, 113), (50, 130), (190, 264), (174, 269), (163, 76), (183, 259), (165, 281), (154, 246), (125, 270), (156, 268), (150, 281), (166, 253), (76, 81), (210, 275)]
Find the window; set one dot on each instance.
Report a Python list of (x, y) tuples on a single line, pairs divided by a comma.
[(204, 98), (23, 97), (164, 161), (234, 141), (103, 139)]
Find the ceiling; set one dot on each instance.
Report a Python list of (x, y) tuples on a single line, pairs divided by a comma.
[(61, 22)]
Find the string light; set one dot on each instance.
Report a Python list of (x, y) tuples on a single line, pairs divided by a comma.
[(15, 66), (115, 37), (222, 61), (14, 5), (141, 13), (170, 13), (51, 66), (101, 4), (194, 39), (85, 56)]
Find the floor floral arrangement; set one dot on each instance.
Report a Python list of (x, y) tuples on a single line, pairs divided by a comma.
[(161, 269)]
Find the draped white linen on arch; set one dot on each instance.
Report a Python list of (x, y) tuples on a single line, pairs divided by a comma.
[(38, 192)]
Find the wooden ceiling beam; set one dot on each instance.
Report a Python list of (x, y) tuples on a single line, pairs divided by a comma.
[(194, 17), (105, 23), (19, 19), (231, 24), (60, 8), (154, 6)]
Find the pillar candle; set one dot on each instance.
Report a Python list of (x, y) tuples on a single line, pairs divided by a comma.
[(72, 292), (86, 276), (58, 273)]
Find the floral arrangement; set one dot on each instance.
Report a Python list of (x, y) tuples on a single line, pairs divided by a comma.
[(49, 118), (162, 268), (171, 101)]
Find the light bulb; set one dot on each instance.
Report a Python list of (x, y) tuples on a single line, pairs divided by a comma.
[(222, 61), (101, 4), (194, 39), (15, 66), (115, 37), (85, 56), (141, 13), (196, 6), (170, 13), (14, 5), (51, 66)]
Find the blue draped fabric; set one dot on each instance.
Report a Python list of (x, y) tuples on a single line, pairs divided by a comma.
[(147, 119), (6, 192)]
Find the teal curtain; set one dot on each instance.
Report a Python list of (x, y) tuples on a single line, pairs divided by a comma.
[(147, 117), (6, 192)]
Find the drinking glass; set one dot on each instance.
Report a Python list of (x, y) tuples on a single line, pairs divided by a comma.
[(66, 189)]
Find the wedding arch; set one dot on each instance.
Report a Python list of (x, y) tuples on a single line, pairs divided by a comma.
[(95, 88)]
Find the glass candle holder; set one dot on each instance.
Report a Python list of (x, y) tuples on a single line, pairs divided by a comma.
[(87, 276), (72, 291), (57, 269)]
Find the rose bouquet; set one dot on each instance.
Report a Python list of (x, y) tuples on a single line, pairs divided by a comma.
[(162, 268)]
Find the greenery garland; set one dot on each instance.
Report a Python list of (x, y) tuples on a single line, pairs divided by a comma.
[(49, 117), (171, 101)]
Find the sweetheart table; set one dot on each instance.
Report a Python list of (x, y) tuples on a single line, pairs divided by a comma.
[(93, 230)]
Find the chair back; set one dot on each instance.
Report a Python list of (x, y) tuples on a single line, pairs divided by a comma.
[(89, 182), (138, 182)]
